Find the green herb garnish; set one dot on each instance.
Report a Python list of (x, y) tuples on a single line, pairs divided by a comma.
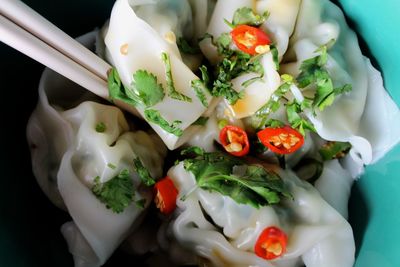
[(170, 81), (101, 127), (117, 193), (143, 173), (200, 90), (144, 90), (154, 116), (256, 186), (111, 166), (334, 150), (187, 48), (246, 16)]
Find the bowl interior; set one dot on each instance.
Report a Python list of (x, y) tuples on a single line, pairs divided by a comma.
[(29, 223)]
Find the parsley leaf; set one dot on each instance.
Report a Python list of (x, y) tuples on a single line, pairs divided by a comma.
[(170, 81), (275, 56), (155, 117), (143, 173), (101, 127), (117, 193), (246, 16), (256, 186)]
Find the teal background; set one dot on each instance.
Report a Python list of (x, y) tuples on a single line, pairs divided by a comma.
[(29, 223)]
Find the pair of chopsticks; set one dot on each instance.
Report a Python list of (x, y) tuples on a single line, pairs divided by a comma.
[(28, 32)]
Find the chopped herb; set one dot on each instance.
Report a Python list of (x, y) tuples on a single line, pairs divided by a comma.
[(101, 127), (275, 56), (117, 91), (296, 121), (143, 173), (201, 121), (140, 203), (146, 87), (111, 166), (313, 72), (256, 187), (155, 117), (334, 150), (272, 123), (247, 83), (222, 123), (117, 193), (170, 81), (205, 76), (186, 48), (144, 91), (200, 90), (193, 150), (246, 16)]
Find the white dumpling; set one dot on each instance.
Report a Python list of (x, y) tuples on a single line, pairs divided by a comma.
[(317, 233), (46, 122), (352, 117), (144, 49)]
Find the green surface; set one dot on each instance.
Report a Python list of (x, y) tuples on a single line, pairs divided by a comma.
[(29, 223)]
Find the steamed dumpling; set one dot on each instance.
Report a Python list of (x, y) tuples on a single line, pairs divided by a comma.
[(144, 46), (224, 232), (352, 117)]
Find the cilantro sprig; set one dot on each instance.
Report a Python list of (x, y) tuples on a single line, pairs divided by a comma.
[(144, 91), (246, 16), (143, 173), (117, 193), (170, 81), (154, 116), (215, 172)]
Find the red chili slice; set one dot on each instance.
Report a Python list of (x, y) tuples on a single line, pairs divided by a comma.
[(250, 39), (271, 244), (235, 140), (165, 195), (283, 140)]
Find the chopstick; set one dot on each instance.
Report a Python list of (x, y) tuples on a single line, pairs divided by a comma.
[(31, 21), (54, 49), (33, 47)]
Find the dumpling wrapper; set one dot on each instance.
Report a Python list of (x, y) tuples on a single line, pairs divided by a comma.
[(145, 46), (68, 153), (317, 232), (353, 117)]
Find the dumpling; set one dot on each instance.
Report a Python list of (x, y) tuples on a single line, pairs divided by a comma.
[(142, 48), (79, 146), (223, 232), (352, 117)]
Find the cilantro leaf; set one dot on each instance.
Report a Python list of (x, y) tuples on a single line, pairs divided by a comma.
[(101, 127), (145, 87), (144, 91), (296, 121), (256, 187), (170, 81), (334, 150), (245, 15), (275, 56), (155, 117), (143, 173), (117, 193), (200, 90), (186, 48), (117, 91)]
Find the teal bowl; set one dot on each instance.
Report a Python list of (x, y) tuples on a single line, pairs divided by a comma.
[(29, 223)]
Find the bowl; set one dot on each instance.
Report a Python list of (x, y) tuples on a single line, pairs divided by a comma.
[(29, 223)]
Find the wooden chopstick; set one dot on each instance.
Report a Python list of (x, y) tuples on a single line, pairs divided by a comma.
[(22, 15), (25, 42)]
